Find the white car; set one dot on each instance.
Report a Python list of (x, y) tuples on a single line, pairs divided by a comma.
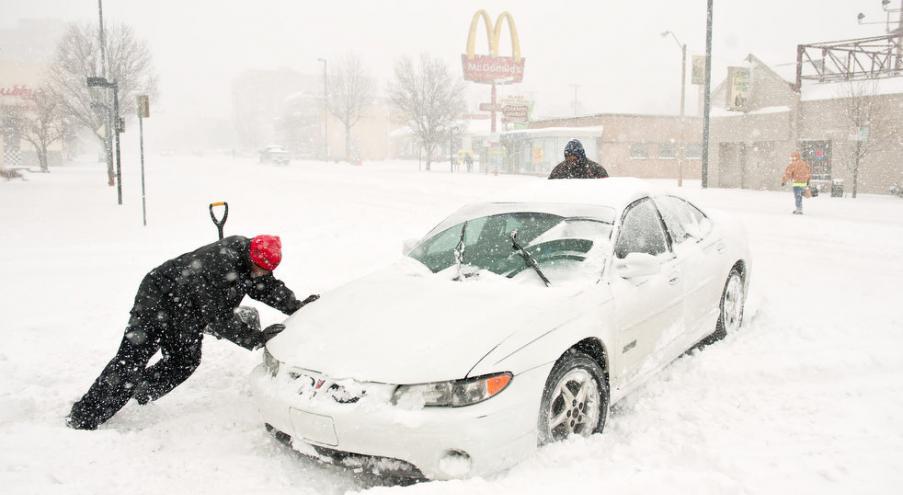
[(513, 323)]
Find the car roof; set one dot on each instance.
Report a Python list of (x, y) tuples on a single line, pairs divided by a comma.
[(613, 192)]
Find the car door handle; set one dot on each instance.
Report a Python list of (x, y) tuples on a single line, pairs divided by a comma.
[(673, 279)]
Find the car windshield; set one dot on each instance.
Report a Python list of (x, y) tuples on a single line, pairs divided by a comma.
[(557, 243)]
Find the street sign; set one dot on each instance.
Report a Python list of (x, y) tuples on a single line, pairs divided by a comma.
[(860, 134), (489, 107), (737, 88), (143, 106), (516, 113), (698, 76)]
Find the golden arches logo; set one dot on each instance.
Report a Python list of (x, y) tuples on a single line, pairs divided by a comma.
[(493, 34), (493, 68)]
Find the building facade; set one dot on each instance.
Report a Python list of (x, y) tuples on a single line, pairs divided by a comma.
[(636, 145), (830, 123)]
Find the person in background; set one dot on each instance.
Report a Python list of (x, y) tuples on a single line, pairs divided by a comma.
[(178, 302), (798, 173), (576, 165)]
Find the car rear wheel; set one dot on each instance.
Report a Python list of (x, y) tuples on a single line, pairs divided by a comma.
[(575, 399), (730, 311)]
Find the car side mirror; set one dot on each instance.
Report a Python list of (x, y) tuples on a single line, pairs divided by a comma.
[(408, 245), (637, 265)]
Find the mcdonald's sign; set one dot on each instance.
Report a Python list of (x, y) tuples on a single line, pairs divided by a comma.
[(493, 68)]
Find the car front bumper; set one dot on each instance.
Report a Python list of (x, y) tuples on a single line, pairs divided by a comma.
[(440, 442)]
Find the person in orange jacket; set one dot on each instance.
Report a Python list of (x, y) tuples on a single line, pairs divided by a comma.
[(798, 172)]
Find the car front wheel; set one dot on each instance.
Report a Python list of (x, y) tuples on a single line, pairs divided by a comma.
[(575, 399)]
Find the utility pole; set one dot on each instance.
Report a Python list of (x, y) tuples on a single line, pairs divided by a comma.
[(707, 105), (325, 112), (900, 39), (108, 134), (576, 102), (683, 97)]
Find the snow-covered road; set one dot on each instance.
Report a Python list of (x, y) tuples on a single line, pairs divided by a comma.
[(806, 398)]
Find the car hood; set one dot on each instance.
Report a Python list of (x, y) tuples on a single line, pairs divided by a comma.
[(406, 325)]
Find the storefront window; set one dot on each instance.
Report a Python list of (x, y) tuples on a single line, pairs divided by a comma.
[(639, 151), (667, 151), (694, 151)]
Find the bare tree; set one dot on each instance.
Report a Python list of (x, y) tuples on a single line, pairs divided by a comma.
[(78, 57), (428, 97), (43, 123), (351, 90), (868, 120)]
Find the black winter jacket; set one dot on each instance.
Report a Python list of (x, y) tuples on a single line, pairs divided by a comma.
[(199, 291), (581, 169)]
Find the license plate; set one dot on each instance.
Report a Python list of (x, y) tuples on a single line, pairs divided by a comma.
[(315, 428)]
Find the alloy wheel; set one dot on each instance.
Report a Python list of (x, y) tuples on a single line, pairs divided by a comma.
[(574, 406), (732, 304)]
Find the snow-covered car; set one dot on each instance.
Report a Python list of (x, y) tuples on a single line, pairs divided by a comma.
[(274, 154), (512, 324)]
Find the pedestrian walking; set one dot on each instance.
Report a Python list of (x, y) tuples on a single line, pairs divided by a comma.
[(798, 173)]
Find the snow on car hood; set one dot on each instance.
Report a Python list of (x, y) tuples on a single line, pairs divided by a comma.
[(406, 325)]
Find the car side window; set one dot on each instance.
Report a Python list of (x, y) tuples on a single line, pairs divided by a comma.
[(641, 231), (691, 221), (672, 210), (697, 224)]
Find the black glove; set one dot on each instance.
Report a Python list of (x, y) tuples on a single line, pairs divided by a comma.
[(249, 316), (272, 331), (311, 298)]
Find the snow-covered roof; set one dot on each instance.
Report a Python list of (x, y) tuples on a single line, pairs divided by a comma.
[(401, 132), (592, 131), (614, 192), (721, 112), (832, 90)]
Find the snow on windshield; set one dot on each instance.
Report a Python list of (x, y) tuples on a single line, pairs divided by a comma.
[(485, 243)]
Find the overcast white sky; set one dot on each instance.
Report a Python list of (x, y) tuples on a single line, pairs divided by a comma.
[(611, 48)]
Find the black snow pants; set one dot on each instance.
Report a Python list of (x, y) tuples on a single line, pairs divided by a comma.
[(180, 346)]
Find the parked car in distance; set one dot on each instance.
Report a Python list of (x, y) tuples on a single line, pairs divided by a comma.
[(274, 154), (512, 324)]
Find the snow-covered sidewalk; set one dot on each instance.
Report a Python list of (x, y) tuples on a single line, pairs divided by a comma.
[(806, 398)]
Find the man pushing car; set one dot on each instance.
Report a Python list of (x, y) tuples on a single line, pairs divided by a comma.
[(178, 302)]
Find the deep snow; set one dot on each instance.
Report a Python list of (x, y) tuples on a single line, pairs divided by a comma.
[(806, 398)]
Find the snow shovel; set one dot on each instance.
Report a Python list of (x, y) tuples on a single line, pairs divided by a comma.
[(221, 222)]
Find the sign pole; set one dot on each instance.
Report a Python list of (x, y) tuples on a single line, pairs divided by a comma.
[(492, 100), (118, 128), (141, 141), (143, 111)]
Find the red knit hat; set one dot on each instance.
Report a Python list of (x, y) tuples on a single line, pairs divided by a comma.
[(266, 251)]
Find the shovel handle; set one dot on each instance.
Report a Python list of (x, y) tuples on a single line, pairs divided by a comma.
[(221, 222)]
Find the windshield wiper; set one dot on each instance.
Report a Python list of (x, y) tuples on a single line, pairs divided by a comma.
[(528, 259), (459, 252)]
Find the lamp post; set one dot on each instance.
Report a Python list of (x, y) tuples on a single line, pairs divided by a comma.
[(101, 82), (325, 112), (108, 118), (683, 97)]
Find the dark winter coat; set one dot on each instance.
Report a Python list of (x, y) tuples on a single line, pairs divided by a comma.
[(582, 168), (199, 291)]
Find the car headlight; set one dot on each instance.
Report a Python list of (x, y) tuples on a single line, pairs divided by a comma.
[(456, 393), (271, 363)]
